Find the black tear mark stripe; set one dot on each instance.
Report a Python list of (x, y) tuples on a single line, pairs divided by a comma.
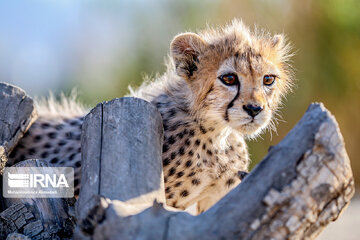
[(231, 104), (209, 91)]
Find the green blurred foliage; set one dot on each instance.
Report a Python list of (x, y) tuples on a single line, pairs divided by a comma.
[(325, 35)]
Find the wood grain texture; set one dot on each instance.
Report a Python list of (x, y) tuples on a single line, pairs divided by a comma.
[(121, 153), (301, 185), (37, 218), (16, 116)]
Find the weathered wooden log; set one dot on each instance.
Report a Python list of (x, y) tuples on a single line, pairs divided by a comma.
[(121, 146), (302, 184), (16, 116), (37, 218)]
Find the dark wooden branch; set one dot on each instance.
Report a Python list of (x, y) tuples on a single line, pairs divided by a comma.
[(37, 218), (16, 116), (302, 184)]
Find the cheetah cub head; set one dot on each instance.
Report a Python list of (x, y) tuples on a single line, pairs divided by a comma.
[(237, 77)]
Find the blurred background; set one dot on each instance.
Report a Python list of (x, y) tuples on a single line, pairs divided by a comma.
[(101, 47)]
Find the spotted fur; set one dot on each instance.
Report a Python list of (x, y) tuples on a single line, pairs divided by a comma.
[(204, 120)]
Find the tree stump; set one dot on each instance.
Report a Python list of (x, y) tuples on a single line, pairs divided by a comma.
[(301, 185)]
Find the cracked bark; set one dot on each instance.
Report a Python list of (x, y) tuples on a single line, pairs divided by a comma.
[(16, 116), (37, 218), (293, 193)]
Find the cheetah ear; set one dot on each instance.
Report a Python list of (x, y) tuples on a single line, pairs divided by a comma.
[(277, 41), (185, 49)]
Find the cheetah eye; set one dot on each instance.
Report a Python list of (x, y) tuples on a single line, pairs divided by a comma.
[(229, 79), (269, 80)]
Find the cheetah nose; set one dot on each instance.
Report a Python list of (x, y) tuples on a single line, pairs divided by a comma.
[(252, 110)]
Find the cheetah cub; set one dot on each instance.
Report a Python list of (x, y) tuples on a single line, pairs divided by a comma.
[(221, 87)]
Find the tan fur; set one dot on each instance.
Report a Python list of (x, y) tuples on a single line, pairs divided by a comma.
[(66, 106)]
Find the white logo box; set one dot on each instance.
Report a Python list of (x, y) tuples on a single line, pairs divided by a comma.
[(38, 182)]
